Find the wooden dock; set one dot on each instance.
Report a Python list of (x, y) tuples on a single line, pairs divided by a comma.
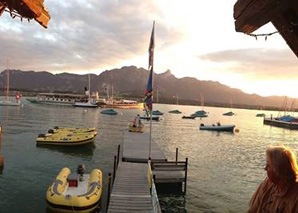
[(134, 175), (136, 148), (131, 191)]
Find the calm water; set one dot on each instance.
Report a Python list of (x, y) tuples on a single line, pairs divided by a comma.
[(224, 168)]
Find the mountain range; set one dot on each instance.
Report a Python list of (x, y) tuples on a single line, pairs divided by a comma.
[(131, 82)]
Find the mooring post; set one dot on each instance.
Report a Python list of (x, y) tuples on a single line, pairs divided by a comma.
[(109, 189), (176, 154), (186, 166), (118, 155), (114, 169)]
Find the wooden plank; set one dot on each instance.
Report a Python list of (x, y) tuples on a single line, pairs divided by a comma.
[(130, 191), (136, 148)]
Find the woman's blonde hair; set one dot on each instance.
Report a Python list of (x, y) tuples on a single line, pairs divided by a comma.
[(284, 163)]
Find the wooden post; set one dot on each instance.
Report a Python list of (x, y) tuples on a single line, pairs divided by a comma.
[(176, 154), (109, 189), (114, 169), (118, 155), (186, 165)]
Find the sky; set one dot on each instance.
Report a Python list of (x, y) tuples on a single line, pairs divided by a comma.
[(193, 38)]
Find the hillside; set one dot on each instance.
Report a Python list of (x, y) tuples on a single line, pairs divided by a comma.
[(131, 82)]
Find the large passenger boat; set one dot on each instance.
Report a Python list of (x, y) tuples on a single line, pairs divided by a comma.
[(57, 98)]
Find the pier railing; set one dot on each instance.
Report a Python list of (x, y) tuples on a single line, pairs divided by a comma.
[(153, 192), (170, 172)]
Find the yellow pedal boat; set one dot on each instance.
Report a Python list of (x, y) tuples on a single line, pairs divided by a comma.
[(135, 128), (65, 139), (76, 192)]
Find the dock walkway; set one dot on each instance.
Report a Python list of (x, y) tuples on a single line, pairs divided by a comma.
[(130, 191), (136, 148)]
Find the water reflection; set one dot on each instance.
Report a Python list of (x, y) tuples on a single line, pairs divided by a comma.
[(172, 203), (76, 151)]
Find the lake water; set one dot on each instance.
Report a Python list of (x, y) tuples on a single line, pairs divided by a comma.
[(224, 168)]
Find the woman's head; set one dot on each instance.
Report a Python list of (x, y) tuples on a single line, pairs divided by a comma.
[(281, 164)]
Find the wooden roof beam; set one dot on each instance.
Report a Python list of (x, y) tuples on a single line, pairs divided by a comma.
[(250, 15)]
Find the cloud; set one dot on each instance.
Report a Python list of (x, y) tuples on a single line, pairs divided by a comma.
[(82, 35), (263, 63)]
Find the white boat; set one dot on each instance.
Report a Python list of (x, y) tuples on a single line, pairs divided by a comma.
[(218, 127), (7, 101), (89, 103), (57, 98)]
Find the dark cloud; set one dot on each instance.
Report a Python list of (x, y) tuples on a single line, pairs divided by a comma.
[(82, 35), (264, 63)]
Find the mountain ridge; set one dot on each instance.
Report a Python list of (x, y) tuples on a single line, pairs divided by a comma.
[(130, 81)]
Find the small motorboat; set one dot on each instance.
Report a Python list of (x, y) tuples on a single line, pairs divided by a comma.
[(260, 115), (109, 112), (218, 127), (135, 128), (77, 192), (145, 117), (188, 117), (157, 112), (66, 139), (200, 114), (229, 113), (175, 111)]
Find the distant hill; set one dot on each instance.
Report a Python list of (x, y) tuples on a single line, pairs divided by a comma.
[(132, 81)]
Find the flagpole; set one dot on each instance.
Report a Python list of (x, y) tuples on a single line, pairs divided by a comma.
[(151, 56)]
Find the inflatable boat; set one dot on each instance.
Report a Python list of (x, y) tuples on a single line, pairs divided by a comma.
[(78, 192)]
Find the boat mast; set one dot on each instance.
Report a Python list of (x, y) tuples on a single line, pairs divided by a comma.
[(89, 98), (112, 88), (202, 101), (177, 98), (7, 82)]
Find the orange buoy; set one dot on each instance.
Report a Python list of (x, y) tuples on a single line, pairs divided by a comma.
[(237, 130)]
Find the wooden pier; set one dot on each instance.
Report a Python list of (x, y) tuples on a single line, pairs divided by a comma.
[(131, 192), (133, 179), (136, 148)]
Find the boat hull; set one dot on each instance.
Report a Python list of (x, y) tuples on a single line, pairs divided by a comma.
[(85, 105), (65, 139), (280, 123), (154, 118), (123, 106), (223, 128), (132, 128), (109, 112), (9, 103), (188, 117)]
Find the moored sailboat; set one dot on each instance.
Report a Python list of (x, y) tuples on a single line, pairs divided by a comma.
[(7, 101)]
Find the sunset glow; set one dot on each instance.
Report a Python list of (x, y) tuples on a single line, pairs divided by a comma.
[(193, 38)]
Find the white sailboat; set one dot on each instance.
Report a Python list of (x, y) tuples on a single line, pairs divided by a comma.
[(7, 101), (89, 103)]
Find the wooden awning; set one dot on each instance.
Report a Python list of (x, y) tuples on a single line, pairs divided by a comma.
[(27, 9), (250, 15)]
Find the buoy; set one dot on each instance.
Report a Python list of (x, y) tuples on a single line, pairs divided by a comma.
[(237, 130)]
